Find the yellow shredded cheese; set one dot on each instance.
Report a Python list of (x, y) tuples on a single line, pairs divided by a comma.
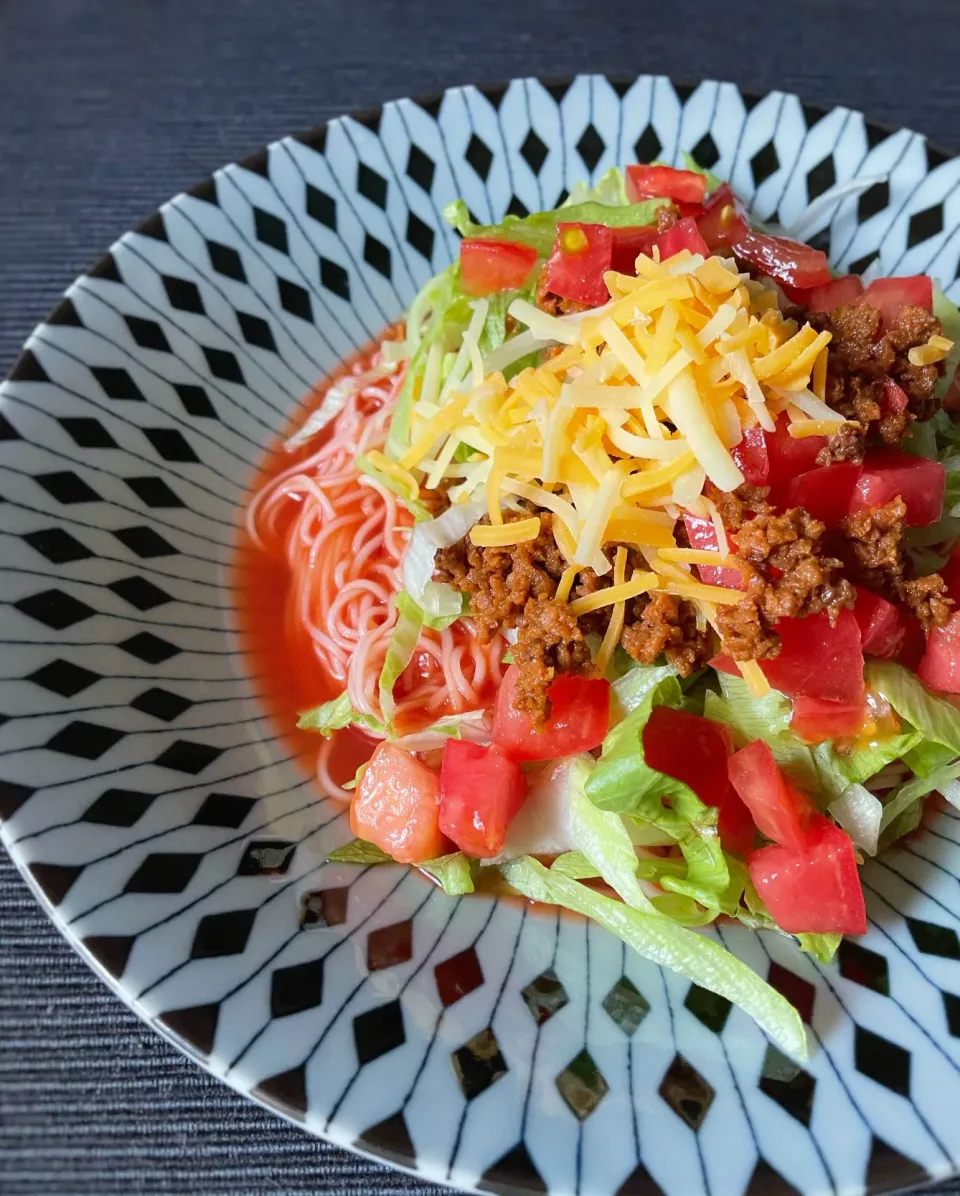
[(565, 585), (698, 556), (699, 592), (403, 477), (936, 349), (519, 532), (752, 673), (640, 583), (799, 429), (611, 637)]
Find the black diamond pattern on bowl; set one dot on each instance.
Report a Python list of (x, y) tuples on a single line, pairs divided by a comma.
[(544, 996), (154, 493), (582, 1086), (145, 542), (884, 1061), (226, 261), (266, 857), (164, 872), (270, 230), (86, 741), (376, 254), (294, 299), (225, 810), (951, 1009), (7, 430), (161, 704), (932, 939), (764, 163), (626, 1006), (148, 334), (533, 151), (873, 200), (334, 278), (86, 432), (789, 1085), (709, 1008), (222, 934), (321, 206), (378, 1031), (478, 1063), (686, 1092), (420, 235), (119, 807), (420, 168), (117, 384), (705, 152), (390, 946), (863, 966), (139, 592), (195, 400), (63, 677), (371, 185), (149, 648), (925, 224), (224, 365), (821, 177), (590, 147), (171, 444), (479, 156), (56, 880), (648, 145), (324, 907), (458, 976), (183, 294), (296, 988), (57, 546), (12, 796), (54, 609), (67, 488), (187, 756), (799, 992), (256, 331)]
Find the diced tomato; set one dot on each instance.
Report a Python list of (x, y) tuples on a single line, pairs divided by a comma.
[(683, 235), (579, 718), (488, 265), (894, 397), (628, 244), (951, 574), (723, 220), (888, 295), (397, 806), (652, 182), (787, 457), (889, 473), (835, 293), (695, 750), (882, 625), (752, 458), (782, 813), (702, 534), (940, 665), (814, 889), (815, 659), (815, 720), (826, 493), (787, 261), (481, 791), (581, 255), (914, 643)]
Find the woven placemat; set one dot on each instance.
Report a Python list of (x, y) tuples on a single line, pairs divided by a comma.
[(108, 107)]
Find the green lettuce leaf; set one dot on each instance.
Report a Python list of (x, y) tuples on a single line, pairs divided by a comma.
[(400, 650), (454, 872), (413, 505), (822, 947), (914, 791), (359, 851), (713, 180), (937, 719), (335, 715), (575, 866), (948, 314), (634, 686), (539, 230), (669, 945), (837, 770), (610, 189), (927, 757)]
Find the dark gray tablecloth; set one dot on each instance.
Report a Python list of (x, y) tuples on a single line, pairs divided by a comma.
[(108, 107)]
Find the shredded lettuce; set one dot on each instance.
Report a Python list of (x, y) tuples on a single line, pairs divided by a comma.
[(610, 189), (633, 687), (937, 719), (539, 230), (400, 650), (413, 505), (822, 947), (436, 600), (713, 180), (837, 770), (948, 314), (359, 851), (669, 945), (913, 791), (575, 865), (335, 715), (859, 812), (927, 757), (454, 872)]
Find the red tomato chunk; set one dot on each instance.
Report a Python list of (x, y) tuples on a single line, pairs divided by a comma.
[(835, 293), (888, 295), (752, 457), (889, 473), (940, 665), (814, 888), (579, 718), (683, 235), (786, 261), (654, 182), (816, 720), (628, 244), (702, 534), (781, 812), (882, 626), (826, 492), (722, 222), (581, 255), (397, 806), (481, 791), (488, 265)]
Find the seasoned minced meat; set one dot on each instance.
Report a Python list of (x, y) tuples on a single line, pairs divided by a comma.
[(663, 624), (547, 301), (787, 575), (549, 641), (876, 560), (846, 445), (737, 506), (862, 354)]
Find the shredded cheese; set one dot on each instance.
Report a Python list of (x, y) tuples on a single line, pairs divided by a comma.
[(936, 349), (611, 637), (565, 585), (640, 583), (752, 673), (519, 532)]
